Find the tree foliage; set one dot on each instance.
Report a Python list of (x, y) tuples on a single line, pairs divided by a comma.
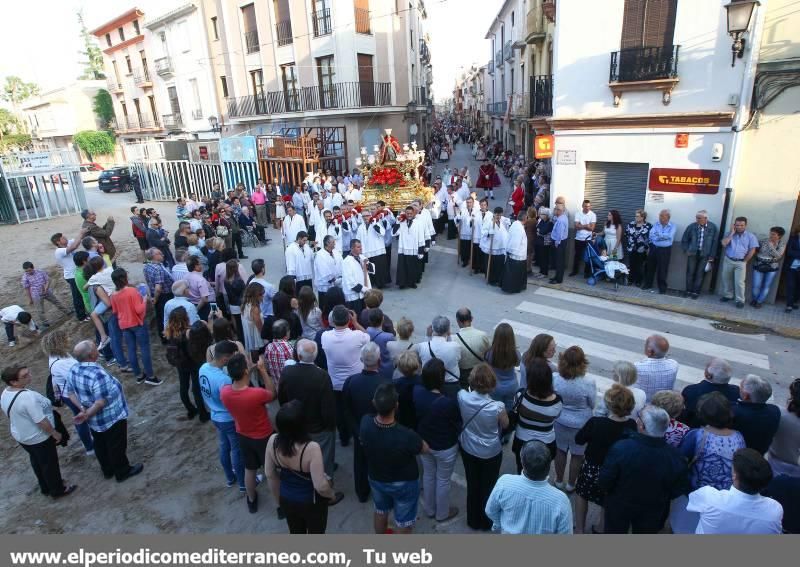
[(15, 90), (94, 143), (9, 123), (15, 142), (91, 55), (103, 107)]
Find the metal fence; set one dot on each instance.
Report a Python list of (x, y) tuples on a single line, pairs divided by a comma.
[(164, 179), (40, 185)]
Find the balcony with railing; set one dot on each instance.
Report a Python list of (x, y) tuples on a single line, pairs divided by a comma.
[(490, 67), (321, 20), (644, 68), (536, 28), (498, 58), (541, 95), (113, 84), (164, 66), (309, 99), (197, 114), (147, 122), (141, 77), (283, 31), (520, 105), (362, 21), (251, 43), (497, 108), (173, 121), (508, 51), (419, 95)]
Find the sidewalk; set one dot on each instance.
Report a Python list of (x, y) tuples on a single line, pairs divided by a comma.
[(769, 318)]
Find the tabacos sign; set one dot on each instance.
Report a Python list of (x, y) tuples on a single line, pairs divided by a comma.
[(543, 147), (702, 181)]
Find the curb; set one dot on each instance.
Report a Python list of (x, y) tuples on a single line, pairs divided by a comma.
[(782, 330)]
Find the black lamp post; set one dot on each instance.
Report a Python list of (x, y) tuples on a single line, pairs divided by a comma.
[(739, 14)]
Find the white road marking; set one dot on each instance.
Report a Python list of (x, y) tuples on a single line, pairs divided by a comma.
[(677, 341), (648, 312)]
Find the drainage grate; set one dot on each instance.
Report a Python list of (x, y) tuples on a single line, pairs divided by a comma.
[(738, 328)]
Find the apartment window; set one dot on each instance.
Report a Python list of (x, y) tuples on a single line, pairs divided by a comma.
[(289, 74), (512, 19), (223, 81), (214, 28), (128, 64), (124, 112), (412, 39), (116, 71), (138, 110), (321, 18), (183, 37), (197, 111), (257, 81), (366, 79), (152, 101), (108, 39), (121, 33), (283, 25), (325, 74), (648, 23), (136, 26), (361, 8), (250, 28), (174, 104)]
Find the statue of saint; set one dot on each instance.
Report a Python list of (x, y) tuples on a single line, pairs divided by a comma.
[(390, 147)]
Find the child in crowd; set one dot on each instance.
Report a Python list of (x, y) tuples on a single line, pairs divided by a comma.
[(100, 286)]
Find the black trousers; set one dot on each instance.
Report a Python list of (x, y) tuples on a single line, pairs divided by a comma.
[(306, 517), (481, 477), (189, 377), (560, 260), (620, 519), (111, 448), (342, 425), (162, 301), (237, 242), (478, 259), (636, 261), (464, 248), (792, 287), (543, 259), (657, 266), (695, 272), (580, 249), (77, 300), (44, 460), (360, 472), (389, 264), (357, 305)]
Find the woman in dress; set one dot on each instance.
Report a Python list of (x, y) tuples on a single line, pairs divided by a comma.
[(672, 403), (504, 359), (579, 394), (544, 244), (310, 313), (280, 209), (637, 242), (767, 265), (784, 453), (252, 320), (613, 235), (709, 451), (234, 290), (598, 434), (296, 473), (537, 410)]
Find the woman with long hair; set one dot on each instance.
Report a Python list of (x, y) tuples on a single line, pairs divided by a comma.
[(252, 320), (234, 289), (537, 409), (310, 314), (613, 235), (222, 330), (333, 297), (177, 335), (282, 309), (296, 472), (504, 359), (542, 346), (200, 339)]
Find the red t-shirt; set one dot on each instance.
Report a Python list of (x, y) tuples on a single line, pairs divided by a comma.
[(129, 307), (248, 408)]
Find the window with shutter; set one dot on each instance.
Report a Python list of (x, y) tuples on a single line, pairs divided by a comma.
[(648, 23)]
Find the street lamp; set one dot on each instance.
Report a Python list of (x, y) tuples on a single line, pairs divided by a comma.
[(739, 14)]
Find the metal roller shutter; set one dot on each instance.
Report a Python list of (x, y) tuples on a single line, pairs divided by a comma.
[(615, 185)]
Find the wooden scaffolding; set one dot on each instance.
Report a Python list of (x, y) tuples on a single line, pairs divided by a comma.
[(288, 156)]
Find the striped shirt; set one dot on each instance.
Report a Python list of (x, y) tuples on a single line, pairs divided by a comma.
[(519, 505), (536, 418)]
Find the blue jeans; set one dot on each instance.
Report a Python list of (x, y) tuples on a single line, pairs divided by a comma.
[(115, 333), (138, 336), (762, 281), (83, 429), (229, 455)]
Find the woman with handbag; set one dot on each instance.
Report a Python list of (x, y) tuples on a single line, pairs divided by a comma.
[(34, 426), (481, 451), (767, 265)]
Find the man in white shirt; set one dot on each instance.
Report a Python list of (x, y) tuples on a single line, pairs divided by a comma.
[(425, 217), (656, 372), (300, 261), (466, 221), (292, 225), (440, 346), (259, 276), (388, 223), (316, 219), (585, 221), (179, 270), (355, 277), (482, 216), (515, 272), (371, 234), (410, 249), (64, 252), (496, 233), (15, 315), (327, 268), (740, 509)]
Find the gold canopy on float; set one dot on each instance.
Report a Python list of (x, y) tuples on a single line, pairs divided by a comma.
[(391, 174)]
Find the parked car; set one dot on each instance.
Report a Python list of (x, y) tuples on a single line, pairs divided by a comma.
[(117, 178), (90, 171)]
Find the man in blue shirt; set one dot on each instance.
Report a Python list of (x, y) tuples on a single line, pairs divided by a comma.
[(212, 379), (559, 237), (740, 245), (661, 237)]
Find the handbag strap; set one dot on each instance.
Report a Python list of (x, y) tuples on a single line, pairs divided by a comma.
[(11, 405), (472, 352), (474, 415), (430, 350)]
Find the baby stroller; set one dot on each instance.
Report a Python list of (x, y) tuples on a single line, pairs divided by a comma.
[(603, 266)]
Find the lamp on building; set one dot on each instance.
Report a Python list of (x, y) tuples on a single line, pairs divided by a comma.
[(213, 121), (739, 14)]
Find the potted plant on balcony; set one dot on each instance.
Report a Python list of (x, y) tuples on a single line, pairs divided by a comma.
[(549, 10)]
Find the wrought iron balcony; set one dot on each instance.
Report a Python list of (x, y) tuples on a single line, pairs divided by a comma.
[(173, 121), (508, 51), (541, 95), (197, 114), (147, 122), (419, 95), (362, 21), (251, 41), (491, 67), (497, 108), (141, 77), (644, 64), (113, 84), (164, 66), (321, 19), (309, 99), (284, 32), (498, 58)]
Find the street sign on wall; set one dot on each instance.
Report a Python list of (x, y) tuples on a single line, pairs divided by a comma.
[(566, 157), (701, 181), (543, 147)]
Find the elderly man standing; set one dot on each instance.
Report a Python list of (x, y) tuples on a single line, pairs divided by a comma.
[(753, 417), (473, 342), (740, 245), (585, 222), (357, 394), (656, 372), (699, 241), (662, 236), (103, 406), (640, 477), (717, 375), (526, 503), (159, 282), (442, 347), (179, 300), (101, 234), (559, 236)]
